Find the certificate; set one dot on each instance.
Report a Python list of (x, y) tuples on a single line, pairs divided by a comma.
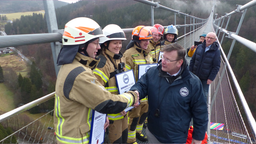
[(143, 68), (160, 56), (97, 128), (125, 81)]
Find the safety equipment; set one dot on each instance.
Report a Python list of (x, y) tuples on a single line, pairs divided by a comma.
[(153, 30), (160, 29), (141, 33), (171, 29), (112, 32), (81, 30)]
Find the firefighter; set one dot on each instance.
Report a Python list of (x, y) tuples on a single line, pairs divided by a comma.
[(170, 35), (112, 63), (78, 91), (134, 56), (155, 43)]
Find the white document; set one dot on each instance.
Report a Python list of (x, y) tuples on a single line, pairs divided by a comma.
[(97, 128), (125, 81), (143, 68), (160, 56)]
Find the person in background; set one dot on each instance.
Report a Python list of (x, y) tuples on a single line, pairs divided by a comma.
[(170, 35), (112, 63), (205, 62), (155, 43), (134, 56), (175, 96), (78, 92), (192, 49)]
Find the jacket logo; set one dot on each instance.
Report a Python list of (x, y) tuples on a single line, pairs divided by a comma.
[(184, 92), (126, 78), (135, 55)]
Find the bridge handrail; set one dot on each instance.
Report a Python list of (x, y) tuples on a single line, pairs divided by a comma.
[(239, 9), (26, 106), (240, 94), (244, 41)]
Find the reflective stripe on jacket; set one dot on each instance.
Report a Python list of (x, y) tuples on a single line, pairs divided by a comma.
[(77, 93)]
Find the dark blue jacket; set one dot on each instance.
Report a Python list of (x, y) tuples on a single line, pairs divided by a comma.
[(178, 101), (206, 64)]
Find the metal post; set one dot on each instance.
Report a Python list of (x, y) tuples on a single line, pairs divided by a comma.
[(228, 56), (175, 18), (221, 25), (190, 27), (152, 14), (225, 28), (185, 32), (218, 26), (52, 26), (193, 28), (237, 31)]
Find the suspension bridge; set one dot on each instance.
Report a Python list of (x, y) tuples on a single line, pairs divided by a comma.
[(229, 121)]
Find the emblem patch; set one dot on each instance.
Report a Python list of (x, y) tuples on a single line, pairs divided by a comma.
[(184, 91)]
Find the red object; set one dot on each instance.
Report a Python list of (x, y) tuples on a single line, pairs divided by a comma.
[(190, 132)]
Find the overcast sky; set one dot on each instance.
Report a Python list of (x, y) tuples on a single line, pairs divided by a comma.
[(69, 1)]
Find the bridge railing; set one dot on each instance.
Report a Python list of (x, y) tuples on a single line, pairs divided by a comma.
[(218, 23)]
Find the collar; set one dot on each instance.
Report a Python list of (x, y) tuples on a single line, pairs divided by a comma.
[(154, 43), (113, 55), (175, 73), (142, 51), (87, 61)]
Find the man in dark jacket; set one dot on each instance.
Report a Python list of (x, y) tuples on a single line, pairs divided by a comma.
[(175, 95), (205, 62)]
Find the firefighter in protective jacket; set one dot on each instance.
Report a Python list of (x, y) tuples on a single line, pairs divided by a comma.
[(78, 91), (112, 63), (155, 43), (134, 56)]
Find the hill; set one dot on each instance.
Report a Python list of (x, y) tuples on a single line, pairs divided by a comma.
[(13, 6)]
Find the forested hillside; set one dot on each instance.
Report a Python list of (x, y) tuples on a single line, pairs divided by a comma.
[(128, 13)]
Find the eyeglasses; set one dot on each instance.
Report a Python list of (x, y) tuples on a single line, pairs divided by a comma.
[(167, 60), (210, 38)]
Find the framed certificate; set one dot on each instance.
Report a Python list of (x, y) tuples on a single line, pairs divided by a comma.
[(97, 128), (160, 56), (125, 81), (143, 68)]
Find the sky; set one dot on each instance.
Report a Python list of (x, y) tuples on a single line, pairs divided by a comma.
[(69, 1)]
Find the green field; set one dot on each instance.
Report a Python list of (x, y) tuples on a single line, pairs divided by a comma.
[(6, 96), (13, 16)]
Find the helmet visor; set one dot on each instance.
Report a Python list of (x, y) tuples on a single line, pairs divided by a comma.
[(117, 35), (96, 31)]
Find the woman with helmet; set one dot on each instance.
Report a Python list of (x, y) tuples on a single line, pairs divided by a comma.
[(155, 43), (112, 63), (170, 35), (77, 90), (134, 56)]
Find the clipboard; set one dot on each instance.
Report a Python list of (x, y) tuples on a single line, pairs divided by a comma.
[(124, 82), (143, 68), (97, 132)]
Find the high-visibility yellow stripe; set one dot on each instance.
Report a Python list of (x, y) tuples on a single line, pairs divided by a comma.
[(139, 128), (112, 89), (115, 116), (144, 99), (131, 134), (127, 67), (127, 96), (101, 74), (61, 120), (139, 61)]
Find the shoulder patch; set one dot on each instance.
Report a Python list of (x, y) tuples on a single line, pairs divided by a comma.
[(102, 61), (70, 79), (135, 55)]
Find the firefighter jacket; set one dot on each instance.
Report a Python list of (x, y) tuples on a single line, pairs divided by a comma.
[(78, 92), (173, 101), (136, 56), (110, 64), (155, 48), (165, 42)]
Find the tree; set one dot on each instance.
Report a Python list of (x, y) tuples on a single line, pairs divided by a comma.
[(1, 75), (20, 79)]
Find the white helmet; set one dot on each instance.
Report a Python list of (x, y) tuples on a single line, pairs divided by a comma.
[(80, 30), (112, 32)]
